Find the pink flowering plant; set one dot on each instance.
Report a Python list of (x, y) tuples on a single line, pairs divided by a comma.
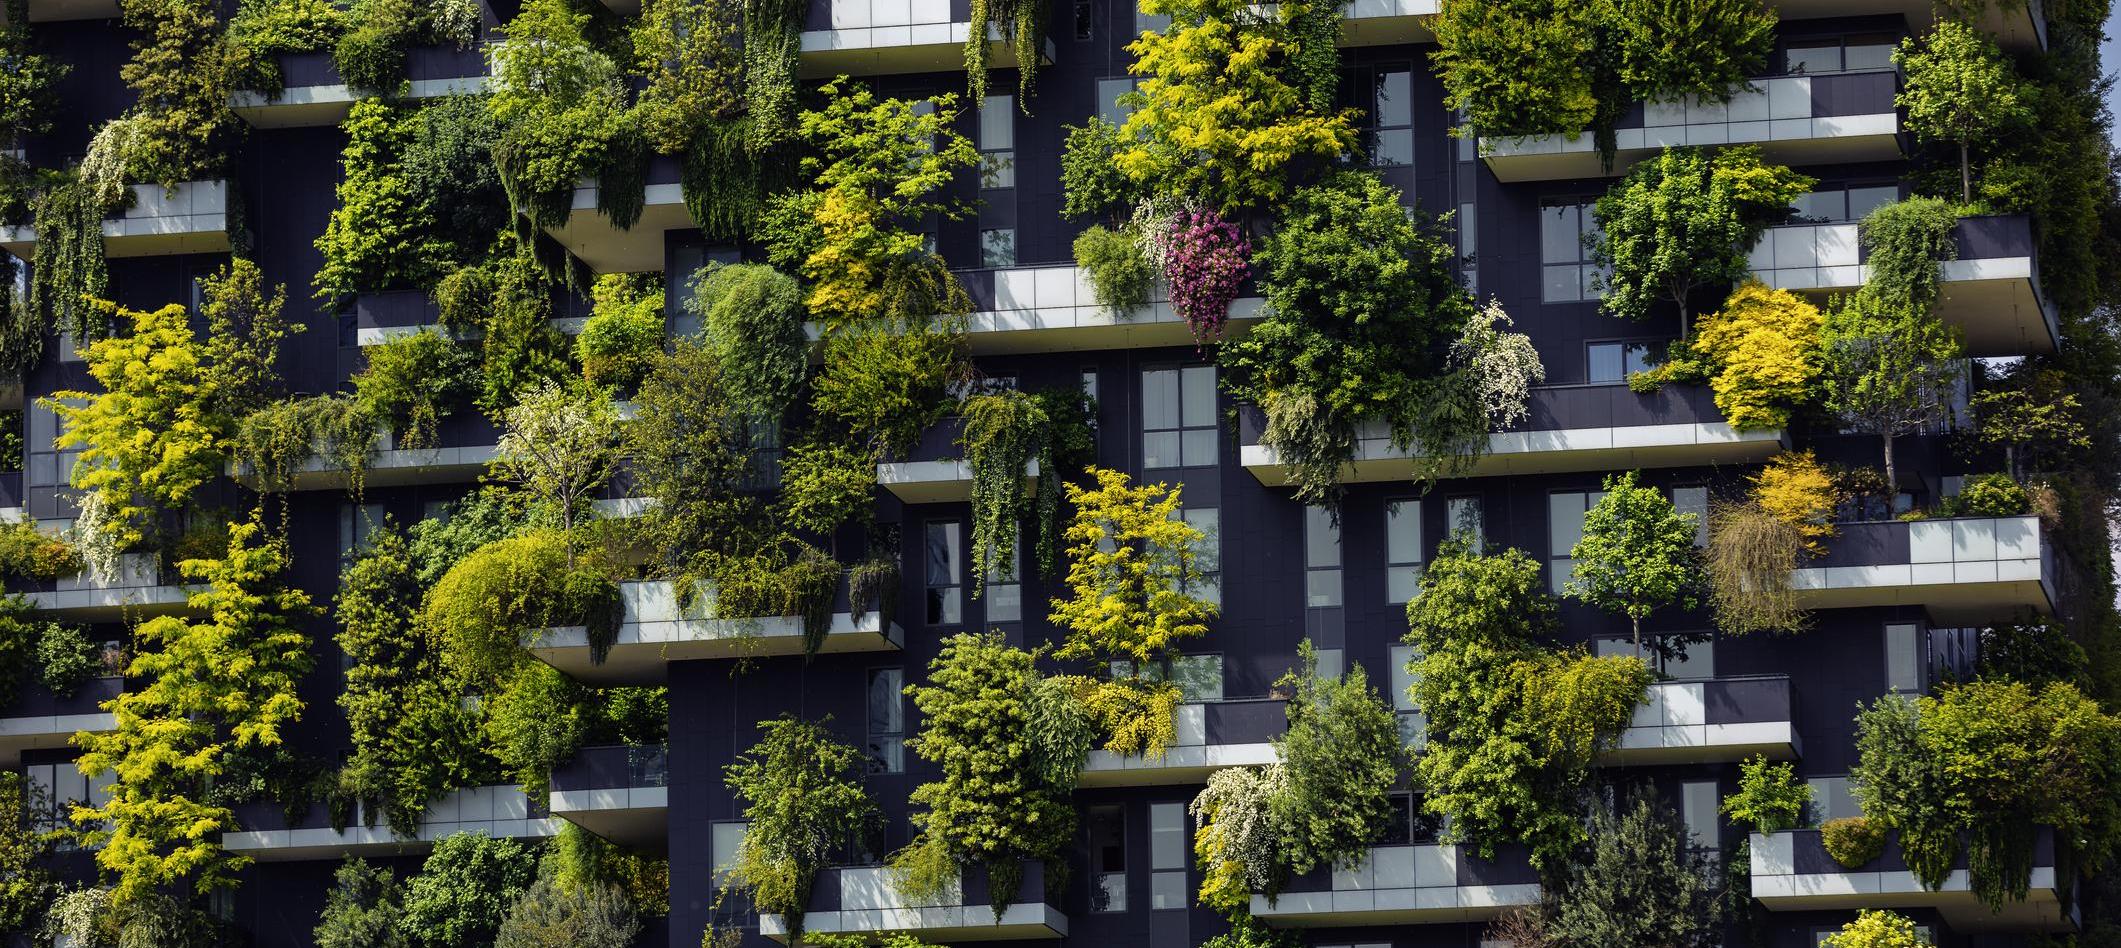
[(1205, 258)]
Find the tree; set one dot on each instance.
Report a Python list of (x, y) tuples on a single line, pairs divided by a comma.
[(1877, 928), (1636, 554), (1219, 115), (1133, 574), (1519, 67), (205, 689), (553, 915), (2032, 415), (1643, 883), (1769, 798), (803, 799), (752, 318), (1672, 49), (1761, 352), (1887, 372), (1903, 245), (244, 328), (1959, 88), (560, 444), (362, 909), (464, 890), (1685, 220), (26, 886), (1341, 755), (559, 104)]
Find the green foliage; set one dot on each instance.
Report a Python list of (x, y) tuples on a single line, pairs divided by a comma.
[(410, 383), (689, 449), (803, 799), (883, 387), (553, 915), (493, 513), (1091, 183), (1987, 495), (1133, 574), (504, 593), (26, 886), (1760, 352), (560, 105), (274, 443), (1671, 49), (689, 50), (179, 126), (201, 690), (560, 445), (1221, 113), (1636, 554), (263, 30), (2030, 411), (1513, 728), (996, 801), (1958, 87), (1978, 767), (66, 658), (751, 317), (1852, 841), (1904, 244), (30, 553), (878, 164), (464, 890), (2035, 649), (1770, 798), (1519, 67), (418, 198), (1877, 928), (1640, 882), (68, 269), (786, 579), (535, 723), (1886, 371), (1685, 220), (1342, 755), (1022, 24), (1004, 431), (824, 485), (508, 298), (362, 909), (1120, 273), (623, 333), (1751, 555)]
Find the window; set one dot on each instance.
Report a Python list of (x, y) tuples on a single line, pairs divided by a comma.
[(1385, 98), (1842, 204), (1178, 417), (1694, 500), (1671, 655), (1199, 677), (997, 142), (1697, 807), (1413, 724), (887, 720), (1567, 273), (1167, 855), (762, 470), (1150, 22), (1083, 10), (1464, 518), (1831, 800), (1903, 657), (1005, 592), (1402, 549), (1408, 824), (1615, 361), (53, 790), (1108, 93), (945, 572), (726, 839), (1107, 827), (1839, 54), (1565, 511), (1208, 556), (1468, 245), (357, 527), (1321, 559), (997, 247), (1089, 377)]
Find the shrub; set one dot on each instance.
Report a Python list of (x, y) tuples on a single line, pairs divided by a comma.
[(1642, 882), (67, 658), (464, 890), (752, 320), (624, 331), (1987, 495), (371, 54), (1877, 928), (885, 388), (411, 383), (1091, 183), (551, 915), (1760, 352), (1852, 841), (1905, 244), (261, 30), (1205, 259), (1797, 490), (803, 799), (1769, 797), (28, 552), (1133, 574), (362, 908), (1120, 274)]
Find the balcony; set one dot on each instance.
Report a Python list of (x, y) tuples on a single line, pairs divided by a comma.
[(889, 37), (138, 588), (620, 793), (1796, 120), (56, 11), (315, 95), (382, 316), (465, 445), (40, 720), (863, 901), (1705, 722), (1966, 571), (190, 218), (1793, 873), (935, 471), (657, 630), (1991, 291), (1211, 736), (501, 812), (1053, 309), (1405, 885), (1572, 428), (604, 248)]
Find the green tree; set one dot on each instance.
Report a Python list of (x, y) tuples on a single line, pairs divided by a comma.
[(245, 325), (553, 915), (752, 318), (26, 886), (1341, 757), (1671, 49), (362, 909), (624, 331), (1877, 928), (1761, 353), (803, 799), (202, 690), (377, 239), (1959, 88), (1642, 883), (1519, 67), (560, 444), (1134, 576), (2031, 413), (464, 890), (1636, 554), (1221, 112), (1685, 220), (1769, 797), (1886, 372), (559, 104)]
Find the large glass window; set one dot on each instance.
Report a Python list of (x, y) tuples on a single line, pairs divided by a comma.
[(1565, 510), (1615, 361), (1108, 95), (1567, 273), (945, 573), (1464, 517), (997, 142), (1167, 856), (725, 839), (1107, 829), (1694, 500), (1178, 417), (1322, 587), (1005, 591), (1840, 204), (1903, 657), (1831, 800), (1698, 803), (1208, 556), (887, 720), (1403, 553), (1385, 100), (1839, 54)]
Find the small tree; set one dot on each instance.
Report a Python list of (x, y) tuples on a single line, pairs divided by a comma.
[(1518, 67), (1761, 352), (1671, 49), (1887, 373), (1133, 574), (1769, 798), (1643, 883), (26, 886), (1960, 89), (560, 443), (464, 890), (2032, 415), (362, 908), (803, 799), (1636, 555), (1877, 928), (1685, 220)]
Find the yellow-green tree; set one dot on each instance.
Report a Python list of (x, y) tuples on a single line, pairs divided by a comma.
[(1134, 577), (1877, 929), (1761, 351), (204, 688)]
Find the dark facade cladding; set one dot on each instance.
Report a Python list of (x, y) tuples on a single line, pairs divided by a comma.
[(1281, 580)]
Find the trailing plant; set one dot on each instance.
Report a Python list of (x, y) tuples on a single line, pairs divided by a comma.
[(1760, 353), (1877, 928), (68, 269), (274, 443), (1960, 89), (1120, 274), (825, 485), (1904, 245), (179, 125), (510, 299), (873, 583), (30, 553), (1022, 24), (1513, 728), (1684, 221), (779, 582), (560, 443), (1004, 432), (1770, 798), (1799, 491), (1636, 554), (1225, 106), (410, 383), (999, 798), (560, 105), (378, 238), (1092, 185), (1887, 371), (1987, 495), (1852, 841), (1750, 557), (264, 30), (26, 886), (752, 319), (623, 333), (803, 799), (201, 691), (1204, 262), (463, 891)]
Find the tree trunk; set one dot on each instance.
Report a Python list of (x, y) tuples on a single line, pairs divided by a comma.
[(1892, 477), (1966, 176), (1637, 623)]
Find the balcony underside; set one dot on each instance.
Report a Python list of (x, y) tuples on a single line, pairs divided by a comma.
[(1703, 744), (1995, 302), (1961, 593), (1844, 891), (1179, 766), (936, 482), (1798, 142), (1417, 906), (947, 924), (630, 816), (321, 106), (392, 468), (2014, 29), (899, 50), (111, 605), (1086, 329), (1387, 22), (644, 650), (46, 732), (1552, 452), (300, 845), (142, 237), (590, 236)]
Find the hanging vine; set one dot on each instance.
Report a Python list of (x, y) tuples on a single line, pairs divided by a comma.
[(1003, 433), (1022, 24), (69, 265)]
